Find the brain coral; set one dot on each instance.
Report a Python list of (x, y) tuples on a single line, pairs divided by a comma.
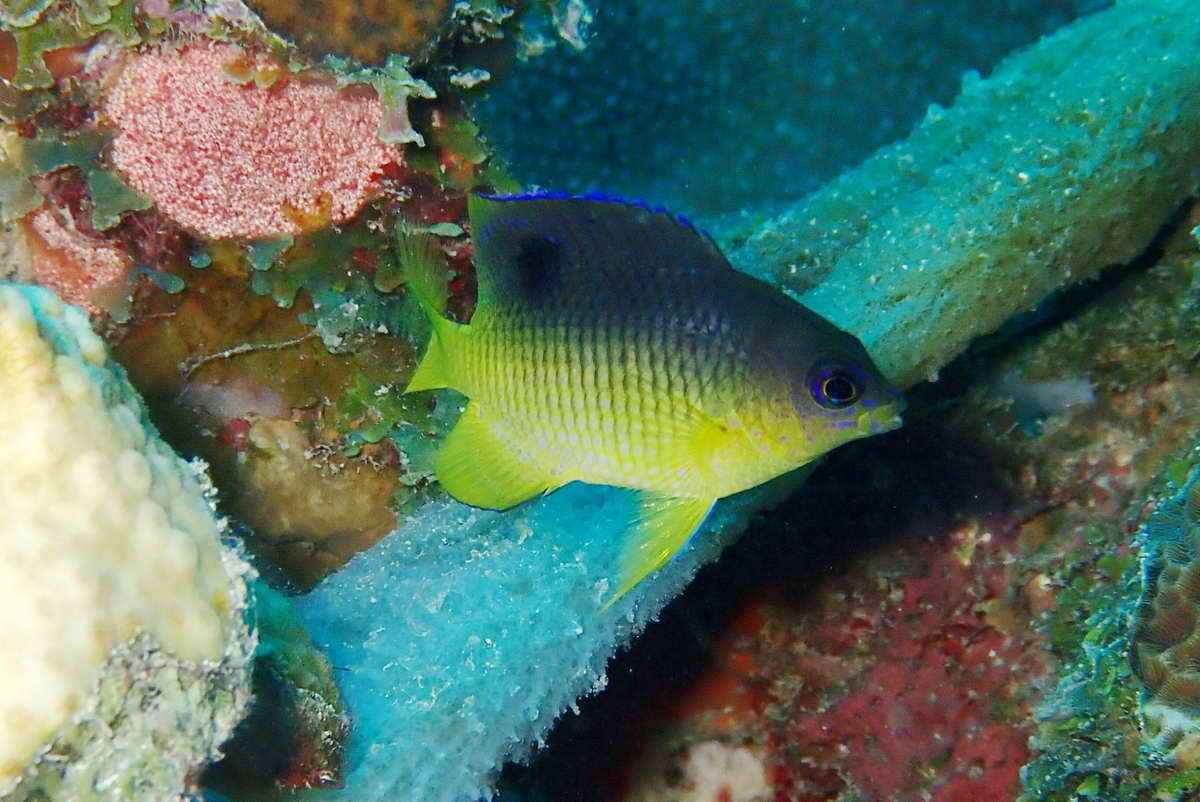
[(223, 158), (1166, 635), (127, 653)]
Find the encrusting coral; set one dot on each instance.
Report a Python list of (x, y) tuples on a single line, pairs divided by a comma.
[(124, 613), (70, 263), (224, 141)]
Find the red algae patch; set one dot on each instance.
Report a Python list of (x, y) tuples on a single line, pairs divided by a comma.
[(227, 159), (77, 267)]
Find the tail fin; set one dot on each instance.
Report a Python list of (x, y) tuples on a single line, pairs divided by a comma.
[(424, 267)]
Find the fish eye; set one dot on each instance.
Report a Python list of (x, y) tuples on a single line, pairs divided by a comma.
[(833, 386)]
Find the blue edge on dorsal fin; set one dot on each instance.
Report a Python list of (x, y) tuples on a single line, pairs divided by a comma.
[(606, 198)]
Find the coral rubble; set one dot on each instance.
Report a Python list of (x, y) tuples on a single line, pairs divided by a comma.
[(128, 648)]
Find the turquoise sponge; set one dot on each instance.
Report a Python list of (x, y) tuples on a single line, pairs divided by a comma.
[(464, 634)]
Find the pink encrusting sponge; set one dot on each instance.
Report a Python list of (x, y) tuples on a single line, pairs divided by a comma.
[(226, 158)]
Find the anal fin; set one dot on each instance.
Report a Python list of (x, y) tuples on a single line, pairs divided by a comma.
[(664, 524), (478, 467)]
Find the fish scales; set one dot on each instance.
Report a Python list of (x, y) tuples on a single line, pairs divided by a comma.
[(614, 344), (554, 355)]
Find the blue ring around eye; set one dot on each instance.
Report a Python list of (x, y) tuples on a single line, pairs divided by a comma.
[(827, 371)]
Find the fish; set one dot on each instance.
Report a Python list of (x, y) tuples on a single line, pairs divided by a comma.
[(613, 343)]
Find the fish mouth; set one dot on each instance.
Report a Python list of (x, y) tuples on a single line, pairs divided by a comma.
[(878, 421)]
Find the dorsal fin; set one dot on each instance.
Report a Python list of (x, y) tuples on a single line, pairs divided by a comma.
[(533, 249)]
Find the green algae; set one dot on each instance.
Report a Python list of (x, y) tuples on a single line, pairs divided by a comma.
[(22, 13), (110, 196), (1085, 721), (265, 252), (64, 29), (18, 197), (370, 411), (348, 302), (167, 282), (395, 85), (1180, 786)]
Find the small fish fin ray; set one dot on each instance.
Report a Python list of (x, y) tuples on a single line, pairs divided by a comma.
[(535, 249), (662, 526), (424, 267), (479, 467)]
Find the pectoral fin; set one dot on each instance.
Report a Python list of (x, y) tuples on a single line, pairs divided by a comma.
[(663, 526), (478, 466)]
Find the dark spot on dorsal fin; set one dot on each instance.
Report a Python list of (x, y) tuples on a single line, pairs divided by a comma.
[(539, 263)]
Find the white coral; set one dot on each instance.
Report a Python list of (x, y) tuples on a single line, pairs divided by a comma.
[(106, 540)]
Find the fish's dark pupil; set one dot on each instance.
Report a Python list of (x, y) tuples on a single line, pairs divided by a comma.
[(839, 389), (539, 263)]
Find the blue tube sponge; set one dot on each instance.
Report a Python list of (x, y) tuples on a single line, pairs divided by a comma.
[(464, 634), (1066, 160)]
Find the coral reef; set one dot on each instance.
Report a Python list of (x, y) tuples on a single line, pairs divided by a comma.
[(465, 633), (129, 651), (1133, 171), (229, 159)]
